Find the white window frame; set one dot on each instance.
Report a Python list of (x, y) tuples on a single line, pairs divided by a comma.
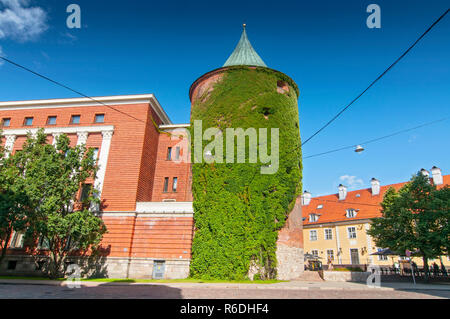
[(18, 242), (332, 254), (325, 233), (353, 213), (315, 250), (310, 235), (382, 257), (349, 232), (313, 218)]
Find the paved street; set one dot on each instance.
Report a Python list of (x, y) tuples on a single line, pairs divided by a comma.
[(200, 291)]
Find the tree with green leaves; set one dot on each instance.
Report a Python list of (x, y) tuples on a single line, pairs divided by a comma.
[(14, 203), (415, 218), (53, 176)]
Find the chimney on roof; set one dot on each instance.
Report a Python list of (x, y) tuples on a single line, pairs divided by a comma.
[(375, 186), (437, 175), (342, 192), (425, 172), (306, 198)]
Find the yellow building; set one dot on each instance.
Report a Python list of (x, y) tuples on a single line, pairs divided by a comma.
[(335, 226)]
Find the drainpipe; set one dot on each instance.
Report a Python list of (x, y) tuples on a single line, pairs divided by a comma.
[(131, 245), (338, 245)]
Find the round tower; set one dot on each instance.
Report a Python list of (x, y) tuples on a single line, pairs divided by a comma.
[(246, 171)]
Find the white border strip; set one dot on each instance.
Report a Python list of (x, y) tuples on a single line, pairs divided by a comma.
[(77, 102)]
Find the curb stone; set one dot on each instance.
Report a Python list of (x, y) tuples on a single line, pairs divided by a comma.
[(195, 285)]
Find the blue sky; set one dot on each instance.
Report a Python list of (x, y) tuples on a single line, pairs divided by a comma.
[(132, 47)]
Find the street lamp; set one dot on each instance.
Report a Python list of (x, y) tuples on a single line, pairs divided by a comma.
[(359, 149)]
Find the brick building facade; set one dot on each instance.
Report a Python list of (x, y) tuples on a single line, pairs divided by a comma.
[(144, 187)]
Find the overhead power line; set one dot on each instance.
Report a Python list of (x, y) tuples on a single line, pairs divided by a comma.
[(376, 80), (378, 138), (69, 88)]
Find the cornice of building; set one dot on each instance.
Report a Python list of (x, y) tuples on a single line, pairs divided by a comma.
[(337, 223), (85, 102)]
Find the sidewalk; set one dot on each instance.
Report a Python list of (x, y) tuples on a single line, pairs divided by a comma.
[(292, 285)]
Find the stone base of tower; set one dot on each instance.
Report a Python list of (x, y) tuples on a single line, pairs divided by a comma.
[(290, 259)]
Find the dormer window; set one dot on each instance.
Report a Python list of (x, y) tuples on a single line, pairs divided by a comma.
[(350, 213), (319, 206), (313, 218)]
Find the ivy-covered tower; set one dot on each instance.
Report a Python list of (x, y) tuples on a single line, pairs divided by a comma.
[(247, 224)]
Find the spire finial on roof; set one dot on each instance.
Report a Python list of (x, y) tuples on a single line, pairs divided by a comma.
[(244, 54)]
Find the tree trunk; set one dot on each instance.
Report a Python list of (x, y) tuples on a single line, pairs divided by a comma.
[(426, 269), (54, 265), (5, 246)]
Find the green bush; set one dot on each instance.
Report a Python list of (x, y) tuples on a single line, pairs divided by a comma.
[(237, 210)]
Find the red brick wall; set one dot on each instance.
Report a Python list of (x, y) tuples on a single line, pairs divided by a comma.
[(148, 160), (171, 169), (157, 237)]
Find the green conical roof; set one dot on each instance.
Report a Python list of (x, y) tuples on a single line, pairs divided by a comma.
[(244, 54)]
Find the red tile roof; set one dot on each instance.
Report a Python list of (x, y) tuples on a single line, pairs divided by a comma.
[(366, 205)]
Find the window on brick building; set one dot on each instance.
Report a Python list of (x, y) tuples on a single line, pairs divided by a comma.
[(99, 118), (174, 185), (43, 243), (328, 234), (166, 184), (16, 240), (177, 153), (12, 264), (169, 153), (313, 235), (6, 122), (75, 119), (351, 232), (85, 192), (51, 120), (28, 121)]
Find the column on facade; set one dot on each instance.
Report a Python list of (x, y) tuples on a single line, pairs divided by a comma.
[(103, 160), (55, 138), (82, 138), (9, 144)]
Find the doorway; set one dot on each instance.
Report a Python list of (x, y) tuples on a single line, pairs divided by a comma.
[(354, 256), (158, 269)]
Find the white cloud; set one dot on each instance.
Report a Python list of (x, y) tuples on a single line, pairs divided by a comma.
[(351, 181), (20, 22)]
